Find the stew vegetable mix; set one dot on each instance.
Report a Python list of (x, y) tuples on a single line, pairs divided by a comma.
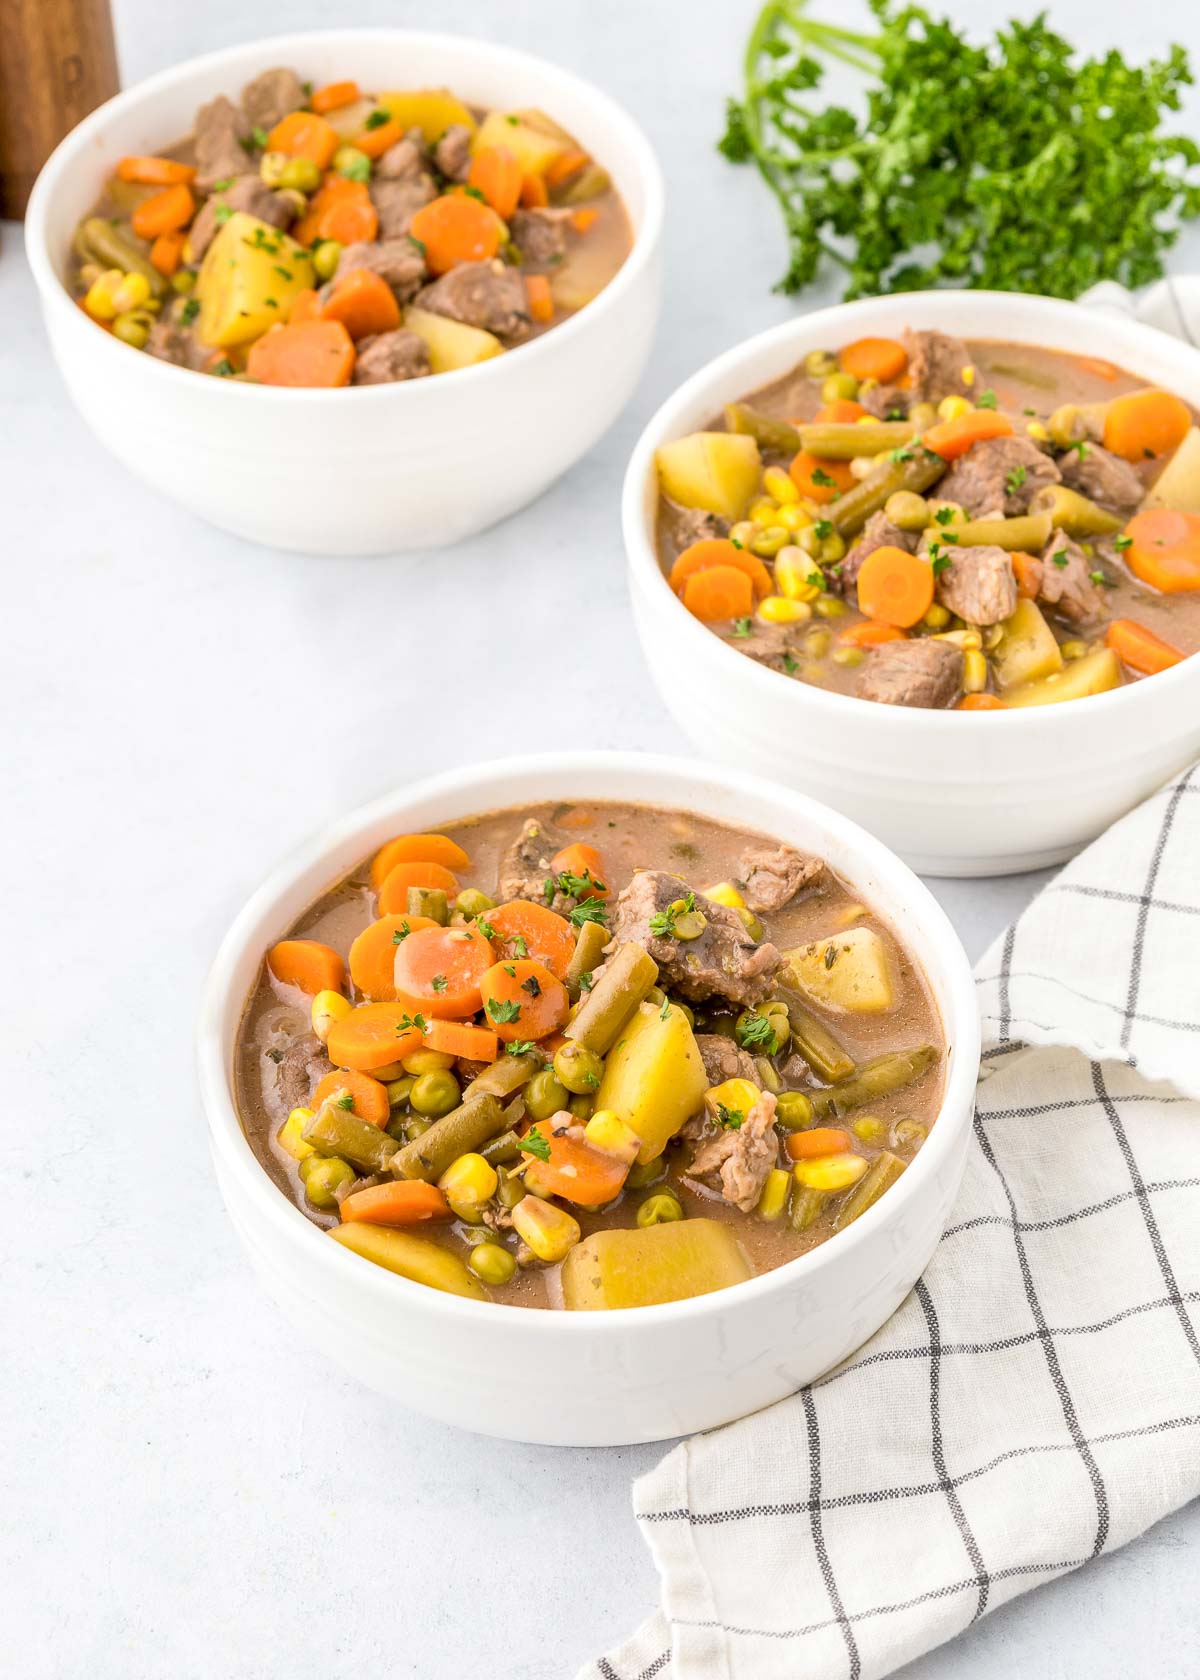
[(588, 1057), (325, 236), (924, 522)]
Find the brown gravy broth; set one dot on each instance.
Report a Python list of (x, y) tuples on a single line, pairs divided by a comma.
[(629, 838)]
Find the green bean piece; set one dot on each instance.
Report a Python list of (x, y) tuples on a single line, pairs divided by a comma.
[(881, 1077), (644, 1173), (778, 437), (624, 981), (849, 513), (397, 1126), (909, 1133), (399, 1090), (502, 1150), (661, 1209), (1072, 422), (883, 1172), (505, 1076), (511, 1188), (1068, 511), (323, 1176), (416, 1127), (435, 1094), (335, 1131), (1027, 535), (473, 903), (429, 901), (768, 1077), (545, 1095), (592, 182), (588, 955), (458, 1133), (579, 1069), (834, 442), (104, 244), (806, 1207), (820, 1049), (793, 1111)]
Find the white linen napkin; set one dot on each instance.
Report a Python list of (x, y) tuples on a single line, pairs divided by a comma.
[(1036, 1399)]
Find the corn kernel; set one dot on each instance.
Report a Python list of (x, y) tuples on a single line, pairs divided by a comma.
[(750, 922), (735, 1096), (816, 643), (833, 548), (778, 609), (768, 543), (763, 513), (328, 1007), (967, 374), (469, 1181), (862, 466), (271, 167), (549, 1231), (937, 617), (975, 671), (426, 1061), (100, 301), (830, 1172), (922, 414), (866, 420), (778, 484), (793, 518), (774, 1194), (852, 913), (796, 576), (953, 408), (724, 892), (964, 639), (1037, 432), (290, 1135), (1073, 649), (744, 532), (868, 1128), (608, 1132)]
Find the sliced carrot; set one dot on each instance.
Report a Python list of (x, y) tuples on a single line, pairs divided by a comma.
[(1027, 569), (349, 221), (565, 165), (719, 551), (368, 1098), (843, 411), (309, 964), (981, 703), (166, 253), (869, 633), (416, 848), (393, 894), (305, 134), (884, 359), (155, 172), (895, 587), (541, 298), (305, 307), (583, 219), (363, 302), (318, 354), (456, 229), (373, 954), (718, 592), (373, 1035), (166, 212), (463, 1041), (1140, 648), (376, 141), (1164, 549), (576, 1170), (439, 970), (409, 1201), (820, 1140), (334, 189), (523, 999), (1145, 424), (1098, 366), (524, 929), (496, 173), (534, 195), (952, 438), (819, 480), (333, 96), (584, 861)]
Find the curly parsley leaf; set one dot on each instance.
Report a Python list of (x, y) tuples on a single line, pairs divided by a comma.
[(533, 1143)]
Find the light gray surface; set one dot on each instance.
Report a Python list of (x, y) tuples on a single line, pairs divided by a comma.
[(186, 1492)]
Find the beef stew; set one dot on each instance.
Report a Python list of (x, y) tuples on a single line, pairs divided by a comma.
[(325, 237), (587, 1056), (933, 523)]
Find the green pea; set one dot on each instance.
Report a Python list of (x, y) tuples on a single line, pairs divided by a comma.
[(642, 1174), (415, 1128), (830, 606), (323, 1176), (326, 258), (819, 364), (301, 174), (545, 1095), (839, 387), (511, 1187), (435, 1094), (349, 161), (471, 902), (848, 656), (399, 1090), (491, 1263), (581, 1107), (133, 327), (691, 924), (793, 1111), (909, 1134), (578, 1069), (662, 1209)]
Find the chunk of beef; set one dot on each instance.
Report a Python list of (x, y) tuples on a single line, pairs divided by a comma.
[(244, 192), (978, 584), (686, 526), (397, 202), (998, 478), (171, 341), (525, 868), (402, 162), (724, 1060), (541, 238), (886, 402), (739, 1158), (723, 962), (1066, 583), (776, 645), (1102, 477), (878, 532), (220, 130), (921, 672), (452, 154), (300, 1068), (386, 358), (771, 876), (936, 367), (398, 261), (271, 97), (482, 294)]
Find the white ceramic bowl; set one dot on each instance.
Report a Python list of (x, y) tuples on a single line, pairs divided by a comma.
[(369, 469), (954, 793), (593, 1378)]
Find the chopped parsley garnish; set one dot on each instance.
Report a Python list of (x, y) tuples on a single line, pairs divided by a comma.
[(270, 303), (503, 1010), (572, 886), (823, 528), (1121, 543), (819, 476), (518, 1047), (737, 542), (520, 945), (730, 1118), (1082, 448), (815, 580), (515, 121), (585, 981), (487, 930), (189, 311), (1013, 480), (285, 273), (533, 1143), (417, 244), (1062, 558), (899, 456), (400, 934), (224, 368), (1102, 578), (356, 169), (662, 922), (944, 516), (409, 1023), (532, 986), (755, 1032), (375, 119), (306, 88), (474, 192), (939, 563), (830, 956), (438, 982), (223, 186), (741, 628), (790, 665), (260, 137), (590, 910), (662, 1014), (986, 399), (345, 1100), (221, 214)]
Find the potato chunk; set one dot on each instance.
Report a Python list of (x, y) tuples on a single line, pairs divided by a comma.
[(248, 281), (654, 1077), (432, 110), (533, 150), (1178, 485), (643, 1267), (415, 1258), (856, 978), (1027, 649), (1092, 674), (716, 471), (451, 344)]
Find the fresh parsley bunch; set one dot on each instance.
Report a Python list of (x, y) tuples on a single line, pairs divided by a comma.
[(1014, 166)]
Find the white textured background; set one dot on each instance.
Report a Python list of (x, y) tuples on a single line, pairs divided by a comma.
[(185, 1492)]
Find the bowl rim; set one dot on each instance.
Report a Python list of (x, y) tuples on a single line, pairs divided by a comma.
[(789, 340), (646, 237), (894, 884)]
